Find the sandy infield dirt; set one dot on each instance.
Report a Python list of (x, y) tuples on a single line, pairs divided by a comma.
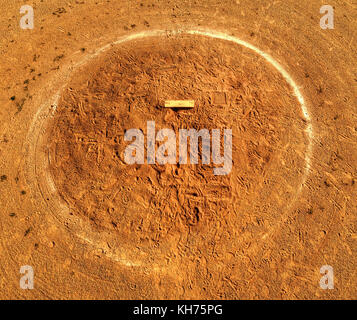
[(94, 227)]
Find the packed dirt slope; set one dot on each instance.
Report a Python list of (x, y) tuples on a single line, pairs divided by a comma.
[(93, 227)]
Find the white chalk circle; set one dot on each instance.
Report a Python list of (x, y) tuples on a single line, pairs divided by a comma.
[(39, 159)]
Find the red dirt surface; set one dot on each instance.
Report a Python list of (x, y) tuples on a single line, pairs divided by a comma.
[(94, 227)]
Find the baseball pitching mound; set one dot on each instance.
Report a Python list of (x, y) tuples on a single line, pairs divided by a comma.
[(146, 204)]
